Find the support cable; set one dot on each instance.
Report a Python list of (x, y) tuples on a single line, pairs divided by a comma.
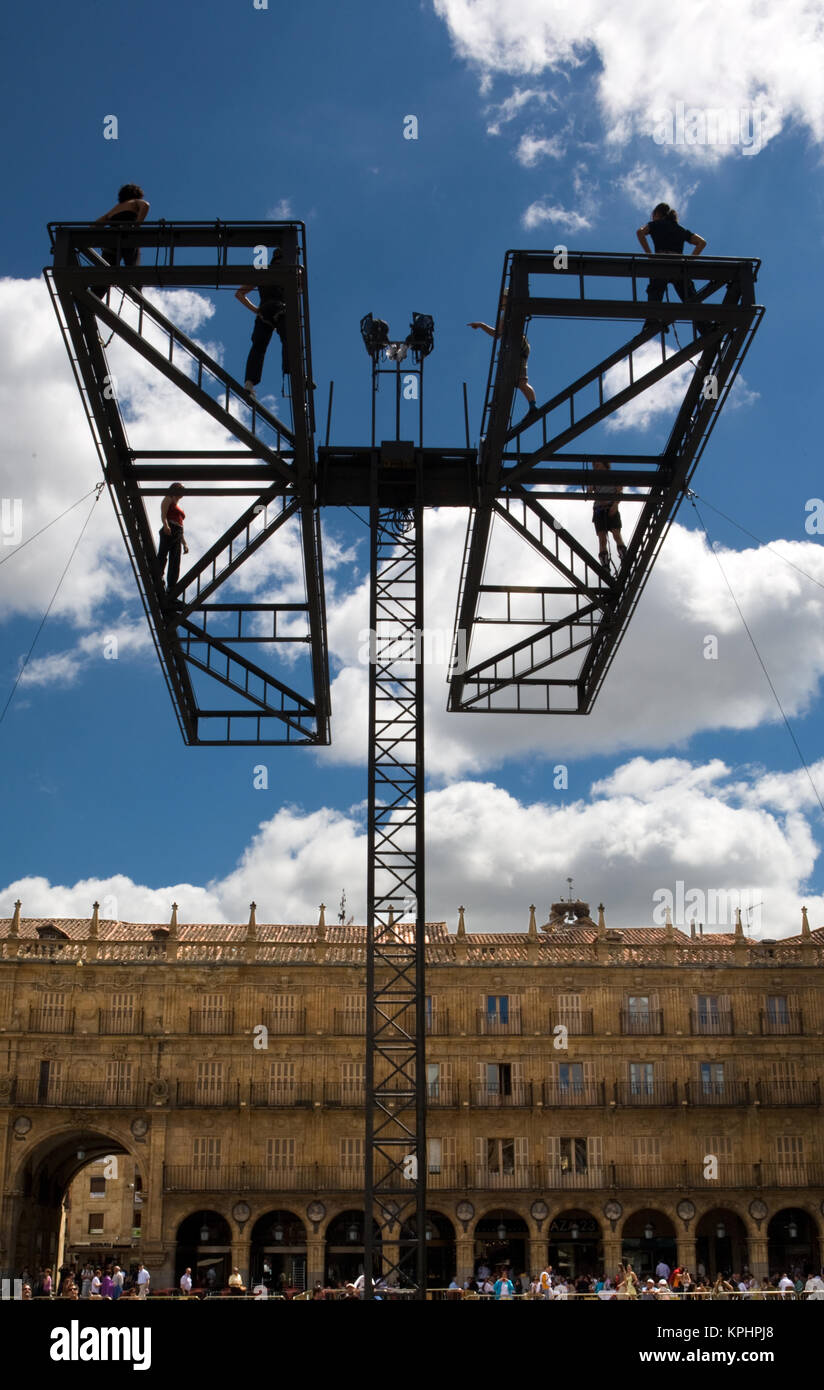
[(98, 487), (98, 490), (787, 724), (766, 544)]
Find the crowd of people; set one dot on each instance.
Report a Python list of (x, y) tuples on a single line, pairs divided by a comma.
[(665, 1284)]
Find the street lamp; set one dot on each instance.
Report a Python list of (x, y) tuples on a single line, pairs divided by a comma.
[(574, 1230), (277, 1231), (204, 1234), (501, 1232), (792, 1229), (352, 1234), (429, 1231), (649, 1231), (720, 1230)]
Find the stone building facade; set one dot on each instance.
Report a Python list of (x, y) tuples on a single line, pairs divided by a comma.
[(592, 1093)]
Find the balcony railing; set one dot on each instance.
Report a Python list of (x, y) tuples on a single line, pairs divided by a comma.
[(492, 1025), (712, 1023), (351, 1094), (283, 1022), (518, 1096), (788, 1092), (577, 1023), (216, 1022), (731, 1093), (279, 1095), (442, 1095), (120, 1021), (351, 1022), (659, 1093), (207, 1094), (51, 1020), (557, 1095), (781, 1025), (30, 1091), (641, 1023), (470, 1177)]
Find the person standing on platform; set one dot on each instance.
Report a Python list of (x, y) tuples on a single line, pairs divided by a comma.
[(668, 239), (131, 206), (172, 540)]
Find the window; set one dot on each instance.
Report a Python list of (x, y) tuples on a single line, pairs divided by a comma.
[(646, 1148), (497, 1008), (712, 1078), (118, 1080), (500, 1155), (433, 1080), (778, 1008), (441, 1155), (352, 1079), (122, 1008), (281, 1079), (429, 1004), (280, 1152), (499, 1078), (707, 1010), (575, 1155), (351, 1153), (212, 1012), (284, 1009), (354, 1003), (96, 1223), (641, 1081), (571, 1076), (137, 1221), (569, 1004), (209, 1082), (54, 1004), (206, 1151), (790, 1150), (720, 1145), (638, 1006), (97, 1187)]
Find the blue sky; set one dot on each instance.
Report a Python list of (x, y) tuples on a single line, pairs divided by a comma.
[(533, 129)]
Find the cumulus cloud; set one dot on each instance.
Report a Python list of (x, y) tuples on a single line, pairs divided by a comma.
[(506, 111), (646, 828), (281, 211), (734, 57), (645, 185), (543, 211)]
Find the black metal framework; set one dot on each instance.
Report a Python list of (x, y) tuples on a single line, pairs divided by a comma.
[(223, 691), (395, 1148), (202, 639), (574, 625)]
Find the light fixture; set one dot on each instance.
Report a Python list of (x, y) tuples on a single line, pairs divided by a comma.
[(396, 352), (574, 1232), (352, 1234), (204, 1234), (501, 1232), (429, 1233), (277, 1231), (375, 334), (421, 336), (720, 1230), (649, 1231), (792, 1229)]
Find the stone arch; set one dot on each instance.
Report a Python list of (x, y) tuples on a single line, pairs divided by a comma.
[(41, 1177)]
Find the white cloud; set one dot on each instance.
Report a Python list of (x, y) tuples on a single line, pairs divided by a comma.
[(544, 211), (531, 148), (645, 186), (506, 111), (281, 212), (649, 826), (738, 56)]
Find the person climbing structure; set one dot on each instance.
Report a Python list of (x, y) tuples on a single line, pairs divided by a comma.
[(606, 516), (497, 332), (172, 540)]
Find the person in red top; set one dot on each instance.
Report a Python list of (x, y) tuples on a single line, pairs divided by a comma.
[(172, 540)]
